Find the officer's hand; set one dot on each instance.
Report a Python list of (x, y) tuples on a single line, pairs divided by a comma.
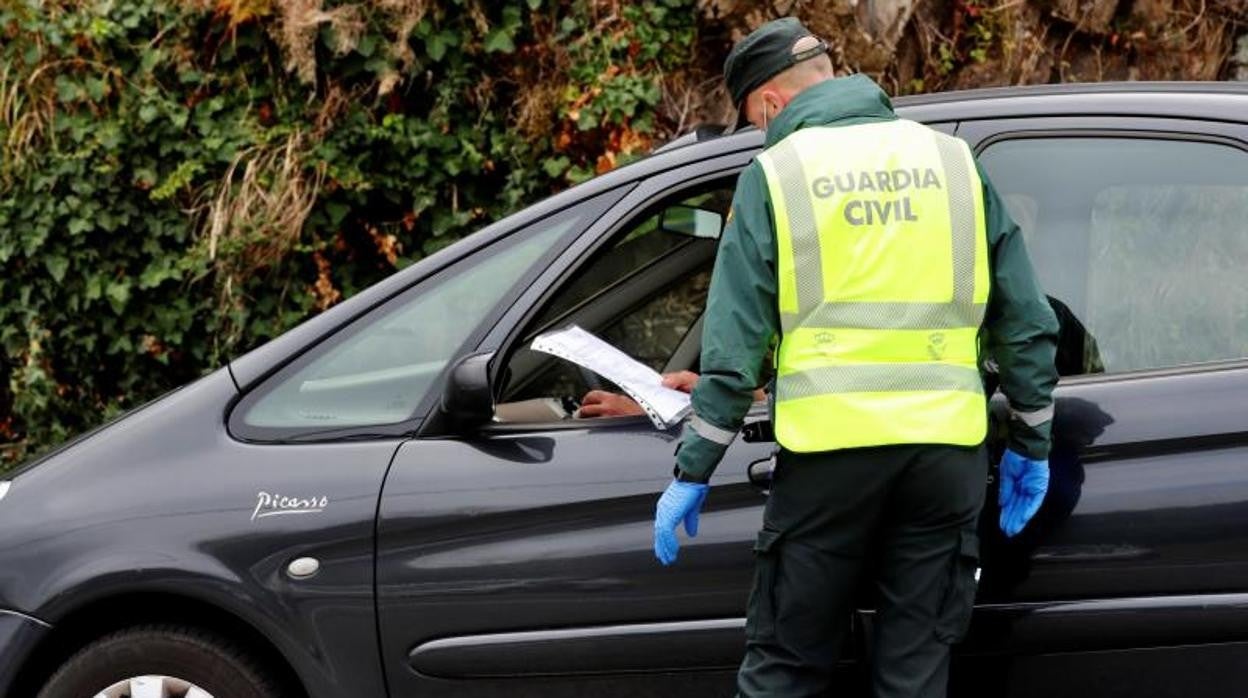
[(1023, 484), (684, 381), (600, 403), (680, 380), (681, 501)]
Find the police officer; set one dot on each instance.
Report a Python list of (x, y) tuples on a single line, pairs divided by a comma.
[(877, 253)]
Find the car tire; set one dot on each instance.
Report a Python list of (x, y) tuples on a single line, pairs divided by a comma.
[(217, 667)]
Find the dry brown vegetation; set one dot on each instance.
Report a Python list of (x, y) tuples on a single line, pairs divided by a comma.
[(934, 45)]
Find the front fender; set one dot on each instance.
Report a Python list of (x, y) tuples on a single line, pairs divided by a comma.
[(290, 618), (166, 502), (19, 635)]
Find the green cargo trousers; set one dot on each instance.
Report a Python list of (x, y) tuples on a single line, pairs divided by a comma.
[(899, 519)]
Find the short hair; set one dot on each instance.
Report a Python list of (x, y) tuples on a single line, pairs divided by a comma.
[(804, 74)]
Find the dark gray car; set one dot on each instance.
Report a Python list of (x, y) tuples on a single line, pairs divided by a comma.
[(393, 500)]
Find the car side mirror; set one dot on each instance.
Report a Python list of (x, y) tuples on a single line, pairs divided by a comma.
[(468, 400)]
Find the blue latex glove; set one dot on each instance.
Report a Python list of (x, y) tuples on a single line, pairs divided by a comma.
[(1023, 484), (681, 501)]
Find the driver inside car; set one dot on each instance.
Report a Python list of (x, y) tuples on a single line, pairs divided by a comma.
[(603, 403)]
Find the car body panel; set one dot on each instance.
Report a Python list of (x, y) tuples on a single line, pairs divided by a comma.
[(156, 507)]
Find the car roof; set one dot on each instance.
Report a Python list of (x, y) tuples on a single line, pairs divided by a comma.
[(1074, 88), (1219, 101)]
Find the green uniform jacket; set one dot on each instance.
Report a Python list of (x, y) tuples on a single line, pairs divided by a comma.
[(742, 317)]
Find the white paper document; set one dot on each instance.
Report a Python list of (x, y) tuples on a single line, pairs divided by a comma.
[(665, 406)]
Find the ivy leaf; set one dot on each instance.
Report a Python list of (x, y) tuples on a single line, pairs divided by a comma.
[(96, 88), (499, 40), (435, 46), (67, 90), (94, 288), (148, 113), (182, 176), (56, 265), (118, 294), (179, 117), (556, 167), (337, 211), (107, 221), (155, 274), (131, 20), (121, 344), (534, 4)]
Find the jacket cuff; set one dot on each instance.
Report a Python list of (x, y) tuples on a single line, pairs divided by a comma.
[(1030, 440), (699, 453)]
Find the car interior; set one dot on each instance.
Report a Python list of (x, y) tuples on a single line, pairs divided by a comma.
[(1131, 239), (643, 292)]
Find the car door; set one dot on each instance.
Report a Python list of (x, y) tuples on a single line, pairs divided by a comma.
[(517, 559), (519, 562), (1130, 579)]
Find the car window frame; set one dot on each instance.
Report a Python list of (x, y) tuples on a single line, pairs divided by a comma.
[(980, 134), (240, 430)]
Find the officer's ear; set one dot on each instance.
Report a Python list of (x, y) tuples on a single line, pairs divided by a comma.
[(770, 100), (774, 100), (756, 109)]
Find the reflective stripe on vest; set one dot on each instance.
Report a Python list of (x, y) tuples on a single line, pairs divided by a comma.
[(883, 281)]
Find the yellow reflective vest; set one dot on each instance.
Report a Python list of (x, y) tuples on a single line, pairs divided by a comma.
[(883, 281)]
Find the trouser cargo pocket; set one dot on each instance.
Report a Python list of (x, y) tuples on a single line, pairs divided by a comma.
[(760, 623), (954, 617)]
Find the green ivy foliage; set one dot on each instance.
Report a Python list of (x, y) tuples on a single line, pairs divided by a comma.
[(182, 180)]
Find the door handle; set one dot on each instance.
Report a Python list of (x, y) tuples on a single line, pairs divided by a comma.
[(760, 472), (758, 432)]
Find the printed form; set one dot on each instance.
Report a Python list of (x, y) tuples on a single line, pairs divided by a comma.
[(643, 384)]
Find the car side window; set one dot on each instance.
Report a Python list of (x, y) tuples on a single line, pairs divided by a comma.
[(643, 293), (1140, 238), (380, 373)]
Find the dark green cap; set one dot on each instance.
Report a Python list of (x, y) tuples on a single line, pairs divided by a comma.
[(766, 52)]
